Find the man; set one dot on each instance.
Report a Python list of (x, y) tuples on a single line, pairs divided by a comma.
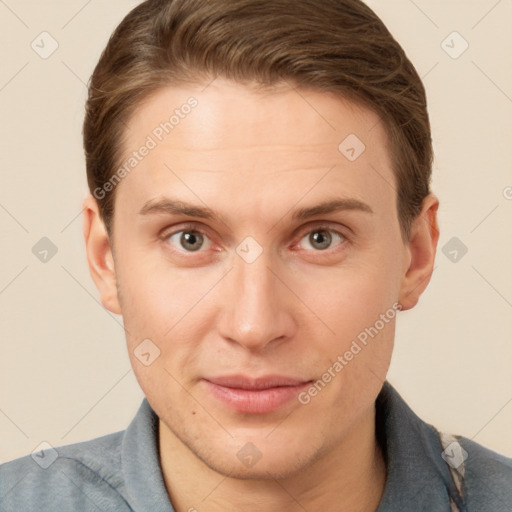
[(260, 212)]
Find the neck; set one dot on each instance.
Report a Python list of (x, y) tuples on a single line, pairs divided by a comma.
[(348, 478)]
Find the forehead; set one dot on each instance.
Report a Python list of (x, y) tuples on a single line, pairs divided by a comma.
[(240, 115), (228, 137)]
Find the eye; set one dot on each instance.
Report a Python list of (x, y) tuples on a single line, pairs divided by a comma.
[(190, 240), (322, 238)]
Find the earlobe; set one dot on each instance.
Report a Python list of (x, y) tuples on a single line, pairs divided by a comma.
[(422, 245), (99, 255)]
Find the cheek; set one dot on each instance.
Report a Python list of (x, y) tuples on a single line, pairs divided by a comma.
[(154, 295), (348, 297), (169, 306), (349, 301), (160, 306)]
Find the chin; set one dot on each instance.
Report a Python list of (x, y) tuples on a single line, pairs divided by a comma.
[(262, 470), (259, 460)]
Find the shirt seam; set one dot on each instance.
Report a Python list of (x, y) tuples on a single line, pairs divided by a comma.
[(93, 471)]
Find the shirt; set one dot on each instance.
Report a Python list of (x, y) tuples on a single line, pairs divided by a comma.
[(121, 471)]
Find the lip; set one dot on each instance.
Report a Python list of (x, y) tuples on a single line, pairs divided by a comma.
[(260, 395)]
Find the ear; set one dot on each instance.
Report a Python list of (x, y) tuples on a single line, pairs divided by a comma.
[(99, 255), (421, 247)]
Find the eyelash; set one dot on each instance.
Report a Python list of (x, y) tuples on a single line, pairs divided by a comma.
[(321, 227)]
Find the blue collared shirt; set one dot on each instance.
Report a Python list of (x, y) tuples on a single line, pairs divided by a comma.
[(121, 471)]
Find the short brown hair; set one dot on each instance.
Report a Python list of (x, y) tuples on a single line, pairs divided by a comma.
[(339, 46)]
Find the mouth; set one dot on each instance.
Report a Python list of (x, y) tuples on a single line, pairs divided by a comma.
[(260, 395)]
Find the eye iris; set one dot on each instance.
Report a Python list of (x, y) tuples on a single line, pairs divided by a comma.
[(189, 238), (320, 237)]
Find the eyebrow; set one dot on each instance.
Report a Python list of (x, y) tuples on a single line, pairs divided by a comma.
[(176, 207)]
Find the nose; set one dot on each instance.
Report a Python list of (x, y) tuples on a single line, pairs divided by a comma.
[(257, 308)]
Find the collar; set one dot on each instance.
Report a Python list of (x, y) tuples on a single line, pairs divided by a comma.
[(417, 476), (141, 463)]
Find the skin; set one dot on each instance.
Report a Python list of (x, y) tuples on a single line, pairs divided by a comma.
[(255, 157)]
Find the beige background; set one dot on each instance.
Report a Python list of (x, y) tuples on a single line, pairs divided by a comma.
[(64, 371)]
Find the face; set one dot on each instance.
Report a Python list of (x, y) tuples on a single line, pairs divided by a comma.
[(260, 257)]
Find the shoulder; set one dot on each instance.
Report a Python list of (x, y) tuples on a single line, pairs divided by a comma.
[(439, 467), (80, 476), (487, 477)]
